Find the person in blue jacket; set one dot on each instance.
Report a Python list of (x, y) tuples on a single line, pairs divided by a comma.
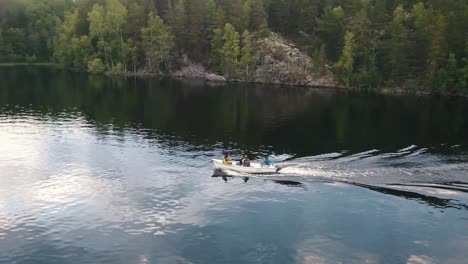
[(266, 161)]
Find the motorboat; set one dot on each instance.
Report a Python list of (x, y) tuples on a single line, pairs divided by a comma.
[(254, 168)]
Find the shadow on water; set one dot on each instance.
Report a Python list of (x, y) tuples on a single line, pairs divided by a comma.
[(289, 183), (433, 201)]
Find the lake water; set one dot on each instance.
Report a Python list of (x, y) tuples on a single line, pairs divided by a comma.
[(110, 170)]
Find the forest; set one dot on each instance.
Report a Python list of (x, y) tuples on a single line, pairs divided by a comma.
[(406, 45)]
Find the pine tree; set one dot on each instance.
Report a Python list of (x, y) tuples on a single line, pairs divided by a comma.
[(247, 11), (308, 15), (196, 13), (278, 18), (217, 44), (257, 17), (452, 71), (248, 60), (177, 22), (397, 46), (420, 39), (211, 19), (379, 14), (230, 51), (331, 29), (345, 66), (234, 11), (63, 38), (437, 51), (136, 20)]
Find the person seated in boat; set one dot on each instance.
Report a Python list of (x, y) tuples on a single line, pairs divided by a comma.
[(267, 162), (226, 159), (245, 162)]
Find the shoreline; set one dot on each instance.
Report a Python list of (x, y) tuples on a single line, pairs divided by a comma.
[(177, 76)]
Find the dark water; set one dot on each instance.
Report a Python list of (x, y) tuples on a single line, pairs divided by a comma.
[(102, 170)]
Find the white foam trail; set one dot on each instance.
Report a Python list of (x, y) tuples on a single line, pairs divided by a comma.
[(407, 148)]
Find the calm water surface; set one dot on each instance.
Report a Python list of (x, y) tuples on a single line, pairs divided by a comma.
[(102, 170)]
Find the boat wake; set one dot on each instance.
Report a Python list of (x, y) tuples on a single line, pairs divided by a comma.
[(431, 172), (408, 165)]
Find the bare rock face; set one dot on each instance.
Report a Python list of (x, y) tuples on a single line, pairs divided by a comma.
[(196, 70), (191, 70), (211, 77), (280, 62)]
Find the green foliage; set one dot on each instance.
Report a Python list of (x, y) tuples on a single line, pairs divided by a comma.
[(308, 15), (437, 50), (197, 36), (157, 43), (247, 60), (96, 66), (255, 16), (463, 76), (321, 59), (177, 22), (42, 26), (230, 51), (65, 36), (419, 44), (396, 46), (345, 66), (106, 24), (331, 29), (216, 51), (80, 50)]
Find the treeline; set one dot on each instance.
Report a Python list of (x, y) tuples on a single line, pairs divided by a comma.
[(367, 43)]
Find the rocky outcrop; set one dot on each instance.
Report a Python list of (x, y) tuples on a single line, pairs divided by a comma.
[(196, 70), (280, 62), (211, 77), (191, 70)]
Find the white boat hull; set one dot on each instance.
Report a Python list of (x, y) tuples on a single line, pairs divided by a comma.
[(255, 168)]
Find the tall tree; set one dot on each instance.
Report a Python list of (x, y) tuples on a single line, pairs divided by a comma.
[(42, 26), (438, 48), (157, 43), (331, 28), (308, 15), (177, 23), (136, 20), (217, 44), (256, 17), (278, 15), (345, 65), (197, 13), (230, 51), (247, 60), (106, 23), (397, 45), (420, 40)]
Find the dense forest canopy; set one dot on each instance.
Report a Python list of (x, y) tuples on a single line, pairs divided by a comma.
[(367, 43)]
